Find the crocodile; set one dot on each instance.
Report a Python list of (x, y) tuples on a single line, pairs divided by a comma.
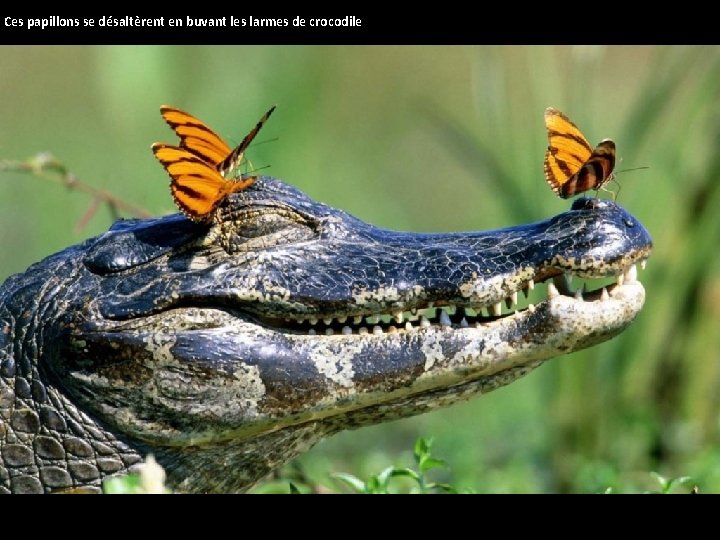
[(224, 349)]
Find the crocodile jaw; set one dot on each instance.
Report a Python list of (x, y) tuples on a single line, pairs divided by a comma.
[(264, 380), (481, 362), (446, 363)]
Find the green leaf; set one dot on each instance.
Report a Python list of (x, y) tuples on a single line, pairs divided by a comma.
[(385, 475), (407, 472), (374, 485), (668, 484), (675, 482), (422, 448), (661, 480), (443, 488), (427, 463), (352, 481), (379, 483), (293, 489)]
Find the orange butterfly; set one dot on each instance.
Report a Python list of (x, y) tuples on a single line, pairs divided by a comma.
[(200, 166), (571, 165)]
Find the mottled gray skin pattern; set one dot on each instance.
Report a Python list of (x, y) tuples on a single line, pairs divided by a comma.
[(194, 341)]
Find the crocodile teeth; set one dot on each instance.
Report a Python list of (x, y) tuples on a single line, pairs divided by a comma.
[(552, 291), (631, 274), (579, 294), (398, 320)]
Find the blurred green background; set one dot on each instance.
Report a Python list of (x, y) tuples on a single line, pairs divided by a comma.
[(430, 138)]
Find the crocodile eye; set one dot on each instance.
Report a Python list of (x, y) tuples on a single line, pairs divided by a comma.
[(262, 227)]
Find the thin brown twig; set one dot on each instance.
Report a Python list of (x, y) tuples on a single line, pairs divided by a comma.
[(44, 163)]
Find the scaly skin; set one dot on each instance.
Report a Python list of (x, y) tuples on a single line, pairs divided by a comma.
[(207, 345)]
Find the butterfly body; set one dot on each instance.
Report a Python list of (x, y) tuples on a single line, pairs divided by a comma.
[(201, 166), (571, 165)]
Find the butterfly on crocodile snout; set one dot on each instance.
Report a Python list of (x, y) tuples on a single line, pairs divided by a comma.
[(201, 166), (571, 165)]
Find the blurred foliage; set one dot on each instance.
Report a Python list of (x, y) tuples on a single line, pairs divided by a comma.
[(391, 479), (431, 138)]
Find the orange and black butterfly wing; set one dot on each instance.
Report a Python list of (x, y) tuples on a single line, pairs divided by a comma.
[(571, 165), (567, 152), (196, 186), (595, 172), (236, 156), (195, 136)]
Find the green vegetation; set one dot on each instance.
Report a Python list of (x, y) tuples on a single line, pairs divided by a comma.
[(431, 138), (391, 480)]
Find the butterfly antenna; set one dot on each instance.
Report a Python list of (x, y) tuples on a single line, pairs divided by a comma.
[(614, 179), (274, 139), (633, 169), (253, 170), (626, 170)]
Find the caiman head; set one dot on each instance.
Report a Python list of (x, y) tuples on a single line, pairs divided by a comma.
[(226, 349)]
